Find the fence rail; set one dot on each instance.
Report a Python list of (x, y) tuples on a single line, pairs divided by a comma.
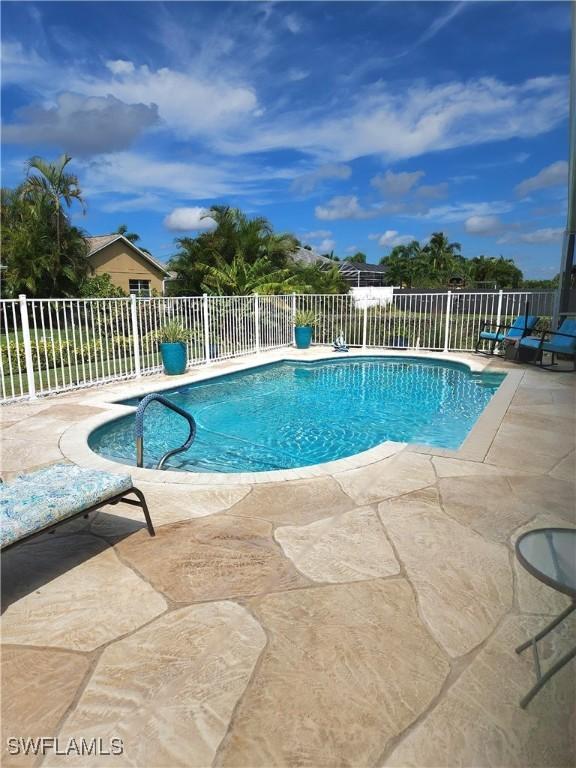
[(53, 345)]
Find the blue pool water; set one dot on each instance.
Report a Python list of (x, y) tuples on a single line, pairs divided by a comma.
[(292, 414)]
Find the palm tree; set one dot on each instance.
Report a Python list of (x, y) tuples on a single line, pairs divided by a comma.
[(34, 264), (241, 278), (123, 230), (222, 256), (406, 264), (133, 237), (54, 185), (356, 258), (442, 254), (238, 235)]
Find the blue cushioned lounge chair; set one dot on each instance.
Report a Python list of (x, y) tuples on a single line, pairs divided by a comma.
[(39, 501), (519, 328), (559, 342)]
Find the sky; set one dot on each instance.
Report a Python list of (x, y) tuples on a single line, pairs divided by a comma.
[(357, 126)]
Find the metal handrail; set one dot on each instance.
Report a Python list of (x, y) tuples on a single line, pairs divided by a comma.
[(139, 428)]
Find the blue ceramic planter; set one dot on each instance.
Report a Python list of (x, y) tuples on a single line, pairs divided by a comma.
[(174, 357), (303, 336)]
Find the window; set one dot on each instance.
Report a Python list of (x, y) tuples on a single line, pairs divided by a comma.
[(140, 287)]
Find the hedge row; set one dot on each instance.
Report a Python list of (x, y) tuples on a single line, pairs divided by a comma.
[(64, 352)]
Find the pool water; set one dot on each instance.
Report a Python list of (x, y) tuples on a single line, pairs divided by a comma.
[(293, 414)]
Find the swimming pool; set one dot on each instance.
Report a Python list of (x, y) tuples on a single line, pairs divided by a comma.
[(292, 414)]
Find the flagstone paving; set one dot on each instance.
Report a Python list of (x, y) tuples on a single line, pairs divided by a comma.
[(364, 619), (348, 547)]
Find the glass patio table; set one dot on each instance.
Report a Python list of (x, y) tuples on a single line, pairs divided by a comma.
[(549, 554)]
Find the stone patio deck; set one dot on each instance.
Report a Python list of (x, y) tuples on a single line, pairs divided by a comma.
[(362, 618)]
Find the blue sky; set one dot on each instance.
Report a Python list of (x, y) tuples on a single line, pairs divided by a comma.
[(356, 125)]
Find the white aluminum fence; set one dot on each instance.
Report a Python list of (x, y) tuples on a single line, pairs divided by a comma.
[(49, 345), (435, 321)]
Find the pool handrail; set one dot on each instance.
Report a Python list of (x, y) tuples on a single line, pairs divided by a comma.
[(139, 428)]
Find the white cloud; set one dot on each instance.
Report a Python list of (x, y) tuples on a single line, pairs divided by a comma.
[(189, 219), (221, 106), (432, 191), (343, 207), (188, 104), (82, 125), (554, 175), (293, 23), (418, 120), (352, 249), (483, 225), (316, 233), (131, 173), (394, 185), (306, 183), (464, 178), (295, 75), (392, 237), (437, 25), (146, 202), (22, 67), (120, 67), (536, 237), (326, 245), (446, 214), (404, 195)]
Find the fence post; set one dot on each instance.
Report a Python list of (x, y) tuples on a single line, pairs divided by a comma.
[(365, 325), (206, 328), (257, 322), (499, 310), (447, 322), (135, 335), (294, 319), (27, 347)]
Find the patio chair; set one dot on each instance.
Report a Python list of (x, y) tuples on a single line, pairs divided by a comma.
[(37, 502), (560, 342), (519, 328)]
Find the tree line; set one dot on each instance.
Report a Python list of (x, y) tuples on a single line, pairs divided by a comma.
[(440, 263), (45, 255)]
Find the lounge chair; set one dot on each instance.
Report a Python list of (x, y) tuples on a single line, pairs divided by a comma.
[(519, 328), (559, 342), (39, 501)]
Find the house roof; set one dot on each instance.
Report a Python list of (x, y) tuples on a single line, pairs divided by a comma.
[(361, 267), (309, 256), (98, 242), (306, 256)]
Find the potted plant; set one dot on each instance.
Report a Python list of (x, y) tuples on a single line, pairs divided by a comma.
[(304, 322), (172, 338)]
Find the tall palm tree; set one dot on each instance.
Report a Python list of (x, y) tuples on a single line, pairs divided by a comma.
[(50, 182), (442, 254), (406, 264)]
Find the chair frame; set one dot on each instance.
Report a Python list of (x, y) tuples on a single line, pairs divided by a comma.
[(543, 335), (494, 342), (140, 501)]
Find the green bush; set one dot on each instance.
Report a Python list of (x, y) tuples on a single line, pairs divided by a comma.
[(60, 354)]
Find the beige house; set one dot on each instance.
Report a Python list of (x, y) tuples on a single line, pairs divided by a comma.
[(131, 269)]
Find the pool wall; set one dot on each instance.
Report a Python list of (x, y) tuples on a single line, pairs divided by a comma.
[(74, 442)]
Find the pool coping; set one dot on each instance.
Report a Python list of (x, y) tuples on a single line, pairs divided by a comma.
[(74, 441)]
